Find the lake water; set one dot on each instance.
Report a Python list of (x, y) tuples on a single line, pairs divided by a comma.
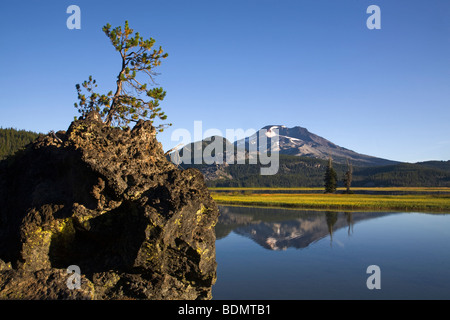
[(274, 254)]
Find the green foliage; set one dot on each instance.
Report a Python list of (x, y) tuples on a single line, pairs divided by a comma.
[(132, 100), (12, 140), (95, 101), (348, 177), (309, 172), (330, 179), (402, 175)]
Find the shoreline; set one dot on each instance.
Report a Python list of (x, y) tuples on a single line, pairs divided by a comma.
[(346, 202)]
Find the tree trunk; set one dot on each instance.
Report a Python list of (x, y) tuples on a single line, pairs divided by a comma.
[(115, 102)]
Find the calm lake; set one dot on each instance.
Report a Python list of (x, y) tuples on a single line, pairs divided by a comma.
[(265, 253)]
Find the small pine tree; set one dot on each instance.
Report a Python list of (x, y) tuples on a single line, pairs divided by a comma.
[(330, 178), (132, 99)]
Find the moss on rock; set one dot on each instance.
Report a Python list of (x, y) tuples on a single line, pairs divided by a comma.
[(110, 202)]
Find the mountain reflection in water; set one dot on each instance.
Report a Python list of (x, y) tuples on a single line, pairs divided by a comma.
[(286, 228)]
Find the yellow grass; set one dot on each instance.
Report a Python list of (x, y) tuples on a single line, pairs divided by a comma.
[(372, 189), (422, 202)]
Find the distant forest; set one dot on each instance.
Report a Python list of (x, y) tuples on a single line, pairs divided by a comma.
[(309, 172), (12, 140)]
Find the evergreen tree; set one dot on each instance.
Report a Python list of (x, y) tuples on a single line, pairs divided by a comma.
[(348, 176), (330, 178), (12, 140), (132, 100)]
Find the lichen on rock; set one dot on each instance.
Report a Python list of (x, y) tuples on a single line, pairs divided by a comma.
[(107, 200)]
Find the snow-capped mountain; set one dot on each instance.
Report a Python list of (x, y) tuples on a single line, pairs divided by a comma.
[(298, 141)]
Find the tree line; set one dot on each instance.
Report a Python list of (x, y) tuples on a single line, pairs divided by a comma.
[(12, 140), (310, 172)]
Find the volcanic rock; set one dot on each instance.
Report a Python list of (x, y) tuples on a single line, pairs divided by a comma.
[(108, 201)]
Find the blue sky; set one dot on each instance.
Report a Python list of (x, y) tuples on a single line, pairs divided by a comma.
[(246, 64)]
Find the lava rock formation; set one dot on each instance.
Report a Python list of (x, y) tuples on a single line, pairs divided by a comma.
[(108, 201)]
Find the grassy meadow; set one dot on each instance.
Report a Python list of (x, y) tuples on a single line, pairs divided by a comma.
[(415, 199), (355, 189)]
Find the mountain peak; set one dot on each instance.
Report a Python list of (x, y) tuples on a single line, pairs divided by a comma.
[(296, 141), (299, 141), (273, 126)]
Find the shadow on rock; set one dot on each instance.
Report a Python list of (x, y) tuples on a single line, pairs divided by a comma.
[(107, 200)]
